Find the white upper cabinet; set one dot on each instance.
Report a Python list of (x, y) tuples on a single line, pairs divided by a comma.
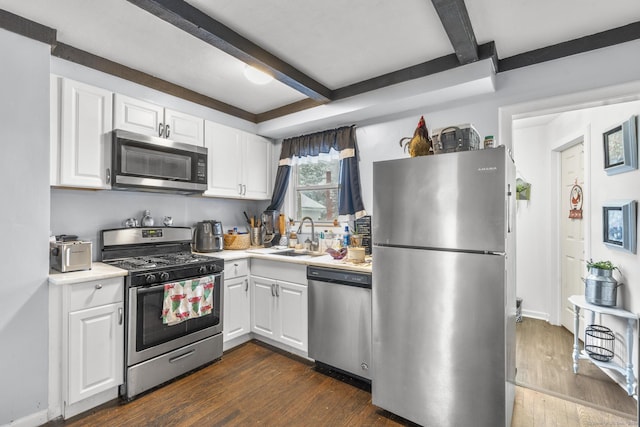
[(239, 163), (81, 124), (150, 119)]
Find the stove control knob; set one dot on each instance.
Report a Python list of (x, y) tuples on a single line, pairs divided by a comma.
[(150, 278), (213, 268), (202, 269), (164, 276)]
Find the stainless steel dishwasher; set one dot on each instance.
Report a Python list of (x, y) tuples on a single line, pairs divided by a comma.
[(340, 320)]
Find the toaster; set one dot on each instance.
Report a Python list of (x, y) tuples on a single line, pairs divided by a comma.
[(66, 256)]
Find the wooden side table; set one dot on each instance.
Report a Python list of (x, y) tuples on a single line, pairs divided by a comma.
[(579, 302)]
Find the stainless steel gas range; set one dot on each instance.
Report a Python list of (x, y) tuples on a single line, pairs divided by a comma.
[(173, 304)]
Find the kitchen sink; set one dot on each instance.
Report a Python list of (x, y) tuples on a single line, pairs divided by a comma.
[(295, 253), (292, 253)]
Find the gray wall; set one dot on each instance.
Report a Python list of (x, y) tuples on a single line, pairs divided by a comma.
[(24, 215), (85, 213)]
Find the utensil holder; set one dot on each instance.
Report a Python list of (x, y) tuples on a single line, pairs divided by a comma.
[(255, 235)]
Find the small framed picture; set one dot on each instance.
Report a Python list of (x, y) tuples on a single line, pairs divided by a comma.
[(621, 147), (619, 224)]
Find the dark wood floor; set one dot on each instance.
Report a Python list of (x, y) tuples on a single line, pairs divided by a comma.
[(257, 385), (544, 362)]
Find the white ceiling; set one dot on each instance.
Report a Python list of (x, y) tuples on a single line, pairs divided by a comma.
[(336, 43)]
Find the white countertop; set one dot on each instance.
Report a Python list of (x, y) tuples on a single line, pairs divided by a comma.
[(324, 260), (98, 271)]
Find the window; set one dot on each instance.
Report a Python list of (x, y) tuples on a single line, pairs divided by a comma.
[(315, 188)]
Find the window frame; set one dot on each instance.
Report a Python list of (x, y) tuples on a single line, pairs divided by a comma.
[(292, 191)]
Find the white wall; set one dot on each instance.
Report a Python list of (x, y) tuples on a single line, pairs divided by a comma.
[(24, 268)]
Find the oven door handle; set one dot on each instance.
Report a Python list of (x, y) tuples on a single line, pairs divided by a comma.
[(150, 289)]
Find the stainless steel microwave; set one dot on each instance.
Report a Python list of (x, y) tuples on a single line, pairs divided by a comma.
[(148, 163)]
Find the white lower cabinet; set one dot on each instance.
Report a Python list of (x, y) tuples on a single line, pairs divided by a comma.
[(237, 303), (95, 350), (279, 308), (91, 353)]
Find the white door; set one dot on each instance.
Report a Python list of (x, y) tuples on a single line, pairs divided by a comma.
[(96, 350), (225, 160), (237, 306), (263, 307), (256, 168), (138, 116), (572, 266), (183, 127), (293, 314), (85, 132)]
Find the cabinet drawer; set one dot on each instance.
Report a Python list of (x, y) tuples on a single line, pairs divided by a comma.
[(236, 268), (96, 292)]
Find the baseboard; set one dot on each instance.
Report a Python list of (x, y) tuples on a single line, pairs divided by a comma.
[(536, 315), (32, 420), (228, 345)]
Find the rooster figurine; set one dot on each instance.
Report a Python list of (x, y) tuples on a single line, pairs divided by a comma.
[(420, 144)]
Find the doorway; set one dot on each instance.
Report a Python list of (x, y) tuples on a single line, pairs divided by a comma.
[(571, 230), (566, 159)]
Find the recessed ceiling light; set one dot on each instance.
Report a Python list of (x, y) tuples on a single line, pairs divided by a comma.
[(256, 76)]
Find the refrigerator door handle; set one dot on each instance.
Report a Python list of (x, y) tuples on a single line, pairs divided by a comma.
[(509, 195)]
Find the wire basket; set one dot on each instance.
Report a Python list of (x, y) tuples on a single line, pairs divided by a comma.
[(598, 342)]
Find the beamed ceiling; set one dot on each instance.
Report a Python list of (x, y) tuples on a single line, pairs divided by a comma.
[(319, 52)]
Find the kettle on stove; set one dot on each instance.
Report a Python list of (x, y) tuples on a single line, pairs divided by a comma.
[(207, 236)]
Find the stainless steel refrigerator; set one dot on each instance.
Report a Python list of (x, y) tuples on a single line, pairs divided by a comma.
[(443, 288)]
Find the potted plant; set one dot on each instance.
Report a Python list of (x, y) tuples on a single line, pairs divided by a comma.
[(523, 190), (600, 286)]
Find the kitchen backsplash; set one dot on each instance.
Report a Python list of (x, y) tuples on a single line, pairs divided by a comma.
[(85, 213)]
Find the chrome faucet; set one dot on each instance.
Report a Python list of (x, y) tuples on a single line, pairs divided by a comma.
[(314, 241)]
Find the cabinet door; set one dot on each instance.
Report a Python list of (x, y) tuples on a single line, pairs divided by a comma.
[(237, 306), (137, 116), (85, 135), (263, 316), (183, 127), (225, 160), (292, 309), (256, 167), (96, 350)]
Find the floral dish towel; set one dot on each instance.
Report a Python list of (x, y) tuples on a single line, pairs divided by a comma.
[(187, 299)]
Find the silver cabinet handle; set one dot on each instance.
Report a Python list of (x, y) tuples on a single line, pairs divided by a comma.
[(99, 286), (108, 175), (160, 129), (273, 293), (240, 189), (246, 285), (120, 316), (278, 290), (166, 131), (244, 189)]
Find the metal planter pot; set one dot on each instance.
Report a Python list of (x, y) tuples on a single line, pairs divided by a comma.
[(601, 287)]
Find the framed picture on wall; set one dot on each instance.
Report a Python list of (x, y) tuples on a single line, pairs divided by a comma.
[(619, 224), (621, 147)]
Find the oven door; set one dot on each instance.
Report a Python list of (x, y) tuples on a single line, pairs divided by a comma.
[(148, 337)]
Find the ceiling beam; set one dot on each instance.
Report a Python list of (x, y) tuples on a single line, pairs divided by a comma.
[(599, 40), (455, 20), (200, 25), (25, 27), (99, 63)]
